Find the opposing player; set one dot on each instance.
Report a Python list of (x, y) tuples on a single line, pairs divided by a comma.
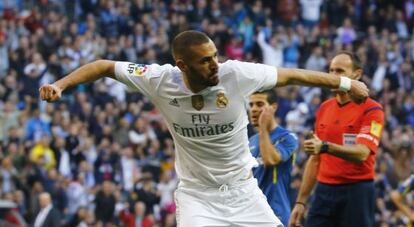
[(203, 103), (273, 147)]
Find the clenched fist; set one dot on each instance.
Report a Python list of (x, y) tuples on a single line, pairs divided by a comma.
[(50, 92), (359, 92)]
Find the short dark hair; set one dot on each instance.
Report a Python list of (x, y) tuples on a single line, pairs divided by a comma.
[(356, 61), (185, 39), (271, 96)]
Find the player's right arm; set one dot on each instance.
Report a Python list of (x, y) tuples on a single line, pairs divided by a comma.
[(308, 183), (86, 73), (357, 90), (397, 197)]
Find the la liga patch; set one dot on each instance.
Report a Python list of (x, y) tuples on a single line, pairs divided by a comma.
[(140, 69), (376, 128)]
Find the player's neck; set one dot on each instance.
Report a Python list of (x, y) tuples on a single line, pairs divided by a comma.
[(192, 85)]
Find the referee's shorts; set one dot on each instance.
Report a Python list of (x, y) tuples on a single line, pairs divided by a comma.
[(342, 205)]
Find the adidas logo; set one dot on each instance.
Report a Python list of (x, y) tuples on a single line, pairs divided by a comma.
[(174, 102)]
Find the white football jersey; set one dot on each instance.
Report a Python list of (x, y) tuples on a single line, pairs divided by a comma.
[(208, 127)]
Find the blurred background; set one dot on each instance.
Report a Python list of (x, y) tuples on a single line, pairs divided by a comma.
[(104, 153)]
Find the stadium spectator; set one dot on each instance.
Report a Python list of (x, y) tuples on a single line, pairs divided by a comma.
[(48, 216), (105, 204), (398, 198), (137, 218)]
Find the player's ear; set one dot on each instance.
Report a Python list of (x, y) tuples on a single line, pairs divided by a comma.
[(274, 106), (181, 65), (357, 74)]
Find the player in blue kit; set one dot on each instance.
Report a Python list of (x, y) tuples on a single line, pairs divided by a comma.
[(398, 195), (273, 147)]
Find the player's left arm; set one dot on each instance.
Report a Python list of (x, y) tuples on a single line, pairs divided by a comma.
[(367, 140), (270, 155), (273, 154), (280, 151)]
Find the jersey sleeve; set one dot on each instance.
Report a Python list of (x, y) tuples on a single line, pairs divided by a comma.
[(139, 77), (252, 77), (286, 146), (407, 185), (371, 128)]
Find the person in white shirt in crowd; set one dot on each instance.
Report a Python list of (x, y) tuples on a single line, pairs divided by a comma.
[(77, 194), (317, 62), (48, 215), (296, 119), (272, 51), (166, 188), (129, 168), (311, 12)]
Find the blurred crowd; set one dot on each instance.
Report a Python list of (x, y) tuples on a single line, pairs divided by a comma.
[(105, 154)]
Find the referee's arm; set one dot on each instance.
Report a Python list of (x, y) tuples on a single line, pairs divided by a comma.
[(353, 153), (308, 183)]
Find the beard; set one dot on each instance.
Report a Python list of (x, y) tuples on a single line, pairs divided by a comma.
[(209, 81)]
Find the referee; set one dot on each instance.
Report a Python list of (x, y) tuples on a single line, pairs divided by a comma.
[(342, 157)]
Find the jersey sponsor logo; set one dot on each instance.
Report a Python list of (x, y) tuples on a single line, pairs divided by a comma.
[(376, 128), (221, 100), (140, 69), (348, 139), (197, 101), (174, 102), (199, 130)]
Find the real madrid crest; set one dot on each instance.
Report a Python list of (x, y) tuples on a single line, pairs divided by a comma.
[(221, 100), (197, 101)]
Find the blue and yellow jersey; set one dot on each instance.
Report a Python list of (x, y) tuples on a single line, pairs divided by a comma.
[(407, 185), (275, 181)]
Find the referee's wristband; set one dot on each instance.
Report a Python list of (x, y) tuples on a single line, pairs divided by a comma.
[(345, 83), (303, 204)]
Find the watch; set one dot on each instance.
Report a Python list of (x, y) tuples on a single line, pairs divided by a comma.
[(324, 147)]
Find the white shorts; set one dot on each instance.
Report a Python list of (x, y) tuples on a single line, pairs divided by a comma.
[(242, 204)]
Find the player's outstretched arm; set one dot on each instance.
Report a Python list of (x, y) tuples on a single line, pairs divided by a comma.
[(87, 73), (357, 90), (396, 198)]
